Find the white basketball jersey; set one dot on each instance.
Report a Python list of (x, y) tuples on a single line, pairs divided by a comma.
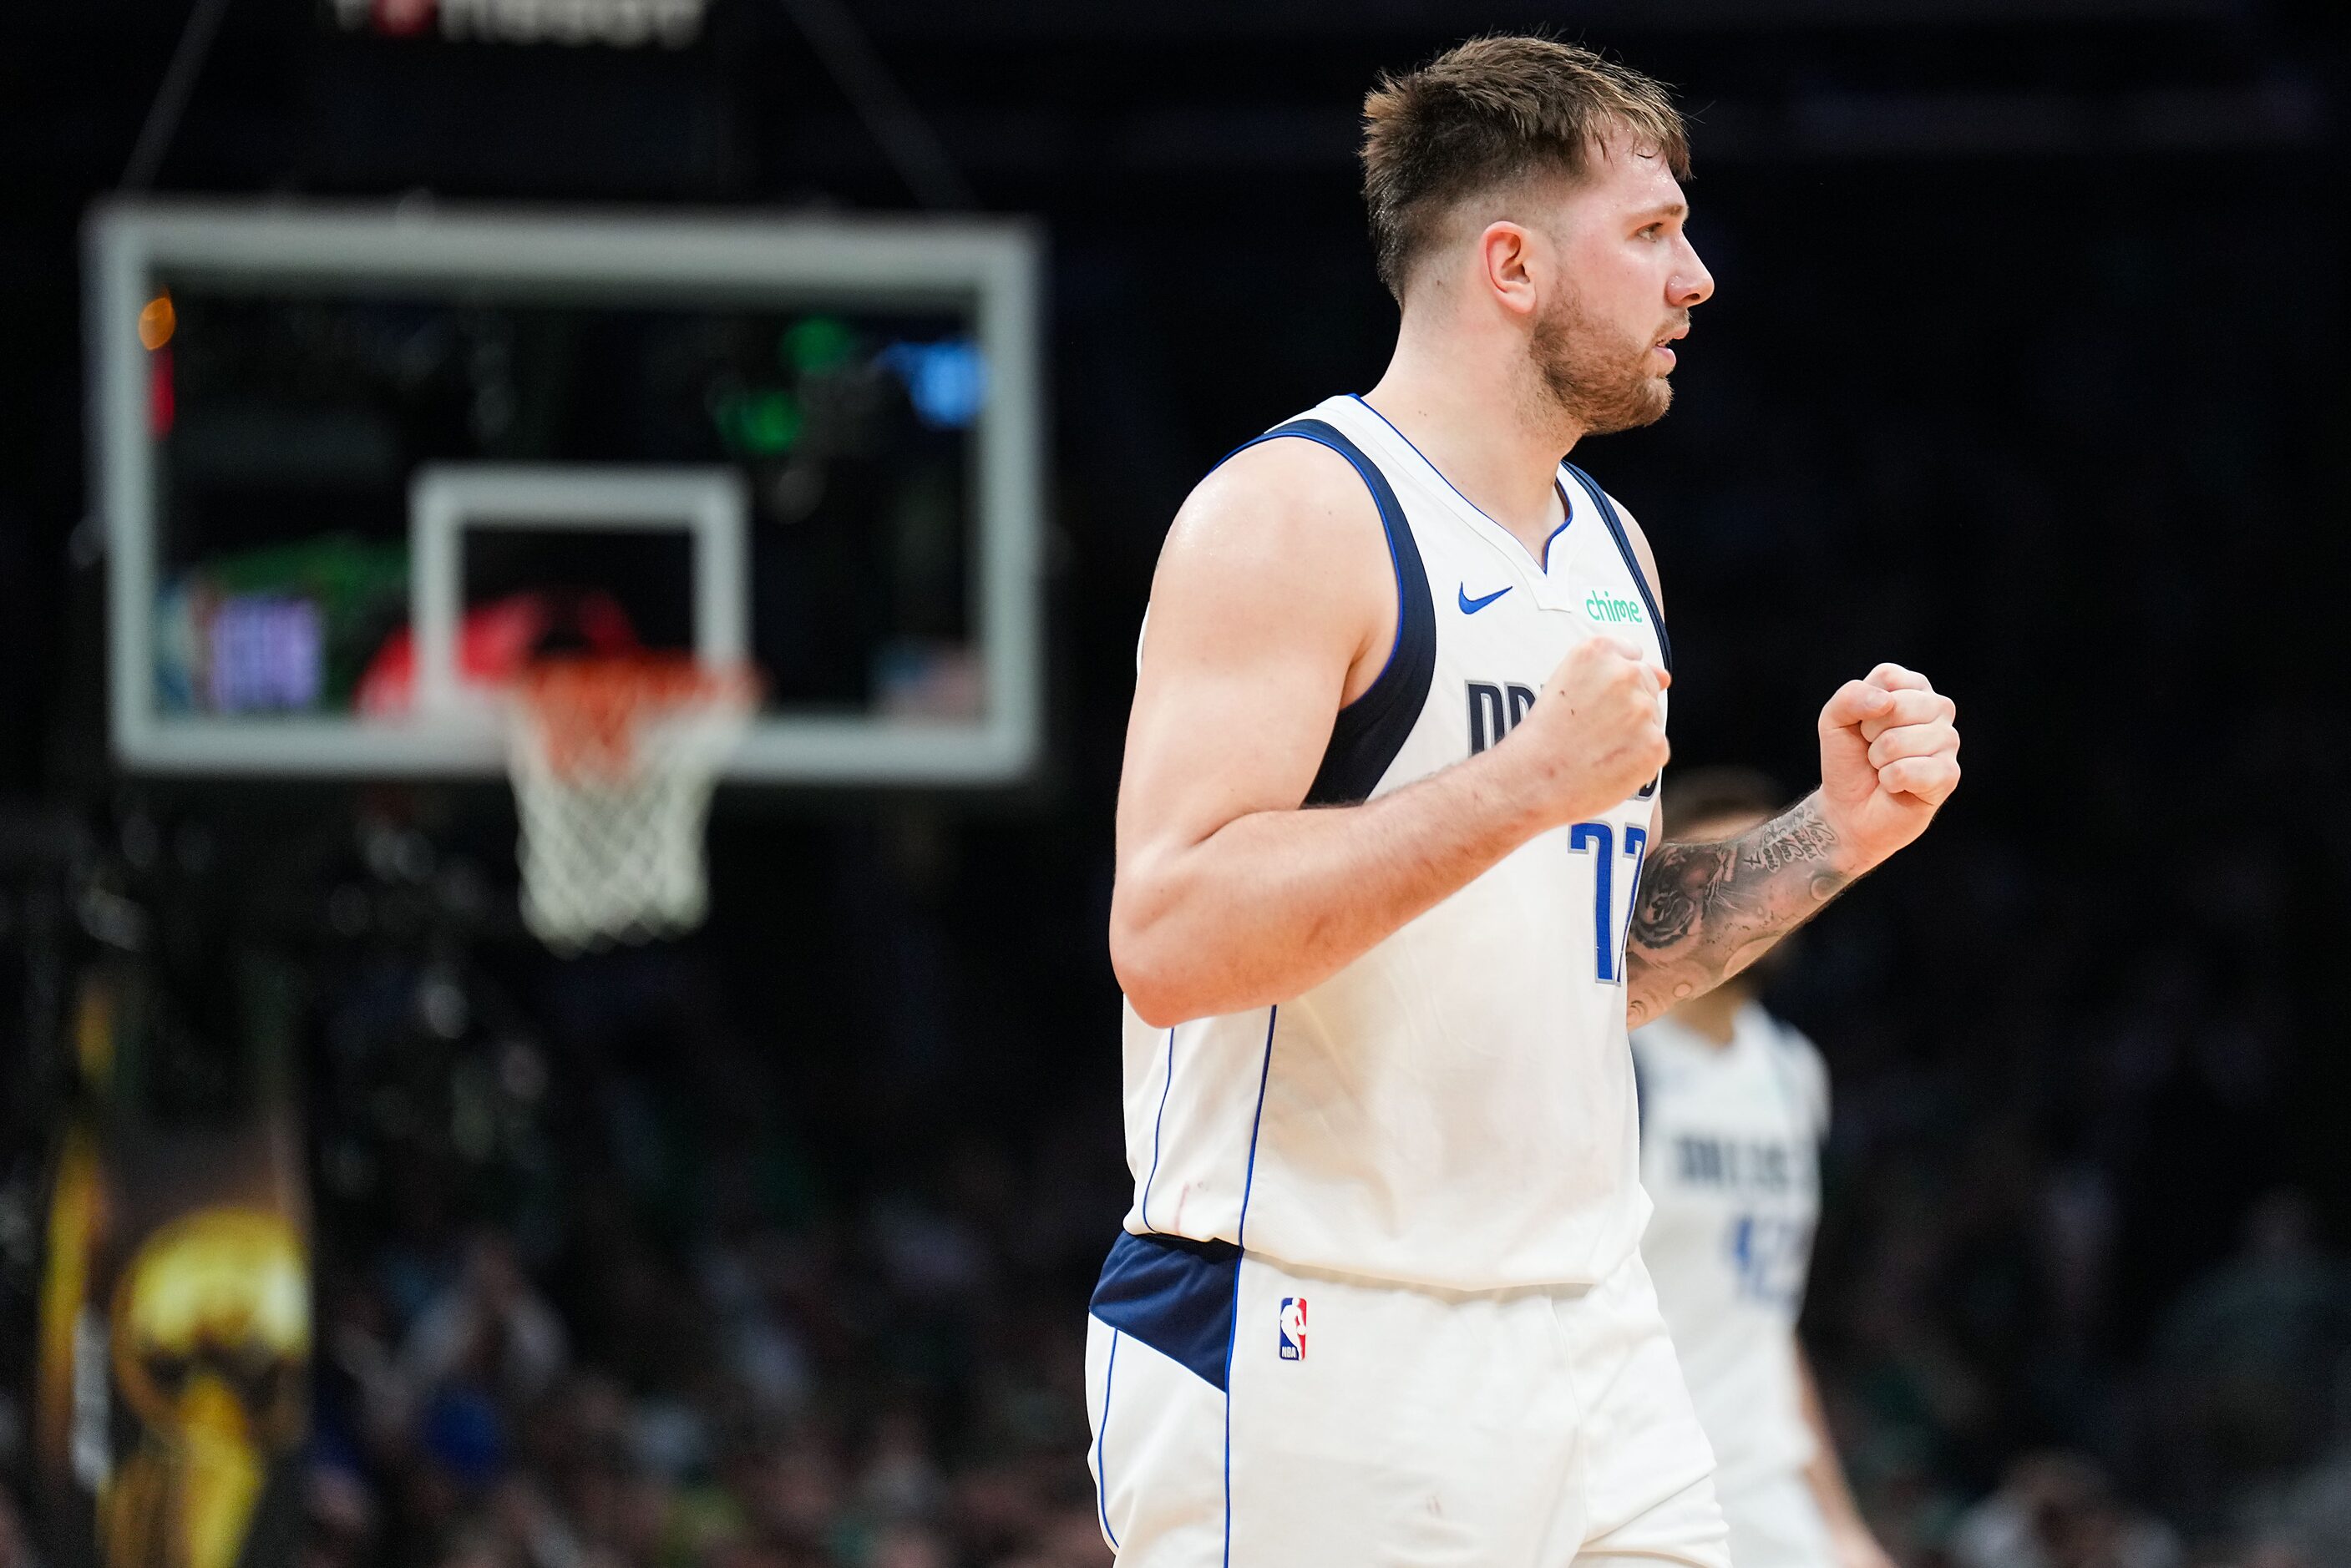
[(1731, 1137), (1454, 1108)]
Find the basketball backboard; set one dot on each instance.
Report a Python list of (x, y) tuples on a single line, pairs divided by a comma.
[(353, 461)]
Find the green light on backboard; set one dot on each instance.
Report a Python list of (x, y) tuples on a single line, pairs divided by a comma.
[(759, 423), (819, 344)]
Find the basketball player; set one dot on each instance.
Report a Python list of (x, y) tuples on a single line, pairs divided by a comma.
[(1734, 1104), (1389, 887)]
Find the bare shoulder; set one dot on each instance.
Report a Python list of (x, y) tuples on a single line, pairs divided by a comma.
[(1279, 500), (1273, 598), (1286, 528)]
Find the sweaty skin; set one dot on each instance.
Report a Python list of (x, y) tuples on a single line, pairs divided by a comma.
[(1274, 605)]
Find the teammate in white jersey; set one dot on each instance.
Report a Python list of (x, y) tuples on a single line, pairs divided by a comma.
[(1389, 887), (1734, 1106)]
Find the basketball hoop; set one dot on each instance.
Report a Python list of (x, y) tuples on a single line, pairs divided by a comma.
[(613, 759)]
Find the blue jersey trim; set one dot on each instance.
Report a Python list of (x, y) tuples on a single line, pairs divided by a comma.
[(1248, 1182), (1567, 507), (1545, 564), (1156, 1124), (1176, 1295), (1631, 562), (1370, 731), (1257, 1122), (1229, 1438), (1323, 434), (1233, 1337), (1102, 1439)]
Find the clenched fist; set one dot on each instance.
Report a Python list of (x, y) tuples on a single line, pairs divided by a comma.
[(1889, 758), (1596, 734)]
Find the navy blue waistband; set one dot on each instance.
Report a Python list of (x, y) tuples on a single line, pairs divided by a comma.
[(1175, 1295)]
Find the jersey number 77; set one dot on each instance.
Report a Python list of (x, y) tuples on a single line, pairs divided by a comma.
[(1598, 840)]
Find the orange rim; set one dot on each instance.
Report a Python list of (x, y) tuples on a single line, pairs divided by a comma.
[(589, 708)]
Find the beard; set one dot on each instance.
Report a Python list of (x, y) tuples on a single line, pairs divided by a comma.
[(1598, 379)]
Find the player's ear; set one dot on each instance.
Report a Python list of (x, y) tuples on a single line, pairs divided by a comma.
[(1505, 249)]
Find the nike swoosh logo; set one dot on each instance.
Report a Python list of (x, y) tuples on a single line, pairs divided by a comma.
[(1471, 606)]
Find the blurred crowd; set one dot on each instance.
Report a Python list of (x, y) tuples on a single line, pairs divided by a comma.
[(583, 1307), (898, 1386), (611, 1278), (2072, 1305), (871, 1399), (624, 1291), (607, 1279), (613, 1322)]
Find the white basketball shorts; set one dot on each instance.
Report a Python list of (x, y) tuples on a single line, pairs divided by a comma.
[(1249, 1415)]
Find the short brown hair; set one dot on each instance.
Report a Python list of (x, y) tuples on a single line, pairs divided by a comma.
[(1490, 112)]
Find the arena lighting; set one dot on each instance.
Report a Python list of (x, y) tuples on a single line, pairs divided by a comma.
[(616, 24), (947, 382), (156, 322)]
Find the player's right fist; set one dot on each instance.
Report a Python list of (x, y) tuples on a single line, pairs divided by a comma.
[(1597, 733)]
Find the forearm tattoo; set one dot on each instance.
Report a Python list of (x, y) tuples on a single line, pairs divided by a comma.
[(1705, 911)]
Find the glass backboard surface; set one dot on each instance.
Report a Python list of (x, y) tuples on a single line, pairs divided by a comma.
[(276, 384)]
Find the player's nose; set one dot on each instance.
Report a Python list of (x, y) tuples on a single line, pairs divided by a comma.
[(1689, 284)]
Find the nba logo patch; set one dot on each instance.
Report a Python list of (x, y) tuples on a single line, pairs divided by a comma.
[(1293, 1328)]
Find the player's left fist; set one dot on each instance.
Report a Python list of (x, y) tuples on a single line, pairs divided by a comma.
[(1889, 759)]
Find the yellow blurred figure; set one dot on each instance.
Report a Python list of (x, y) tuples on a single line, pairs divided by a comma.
[(212, 1332)]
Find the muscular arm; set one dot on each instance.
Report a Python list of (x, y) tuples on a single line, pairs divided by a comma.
[(1705, 911), (1272, 902), (1889, 758), (1274, 605)]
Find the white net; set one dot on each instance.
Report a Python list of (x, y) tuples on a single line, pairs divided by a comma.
[(613, 765)]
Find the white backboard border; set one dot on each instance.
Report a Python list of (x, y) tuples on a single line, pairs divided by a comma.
[(709, 505), (989, 266)]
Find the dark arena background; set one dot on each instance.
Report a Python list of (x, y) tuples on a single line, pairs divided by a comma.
[(768, 1246)]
